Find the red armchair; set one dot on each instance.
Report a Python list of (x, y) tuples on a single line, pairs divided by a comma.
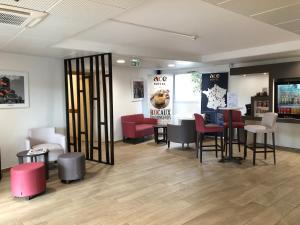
[(137, 126)]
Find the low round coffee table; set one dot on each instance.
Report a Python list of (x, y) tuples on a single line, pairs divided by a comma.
[(33, 157), (164, 133)]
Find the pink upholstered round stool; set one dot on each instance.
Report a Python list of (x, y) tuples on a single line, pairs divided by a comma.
[(28, 179)]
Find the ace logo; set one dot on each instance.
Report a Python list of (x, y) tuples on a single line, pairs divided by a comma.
[(214, 76), (160, 79)]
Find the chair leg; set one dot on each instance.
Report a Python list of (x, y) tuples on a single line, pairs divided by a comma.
[(168, 144), (273, 137), (245, 144), (201, 142), (265, 145), (216, 144), (238, 138), (254, 148), (225, 140), (197, 145), (182, 145), (222, 145)]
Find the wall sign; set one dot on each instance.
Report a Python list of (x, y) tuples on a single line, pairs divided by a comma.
[(160, 97), (214, 93)]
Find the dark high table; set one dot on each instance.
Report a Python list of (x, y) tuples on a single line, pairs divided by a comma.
[(230, 157)]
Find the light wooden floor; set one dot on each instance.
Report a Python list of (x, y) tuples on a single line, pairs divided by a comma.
[(152, 185)]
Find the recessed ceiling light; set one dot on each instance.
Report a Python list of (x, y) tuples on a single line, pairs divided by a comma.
[(171, 65), (244, 75), (183, 63), (121, 61), (265, 73)]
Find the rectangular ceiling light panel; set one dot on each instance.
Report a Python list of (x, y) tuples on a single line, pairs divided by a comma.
[(15, 16)]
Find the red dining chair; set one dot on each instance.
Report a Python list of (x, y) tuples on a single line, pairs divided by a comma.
[(201, 130), (237, 123)]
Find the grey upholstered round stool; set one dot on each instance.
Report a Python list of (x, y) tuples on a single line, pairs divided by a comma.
[(71, 166)]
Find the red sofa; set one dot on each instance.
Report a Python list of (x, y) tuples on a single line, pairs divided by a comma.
[(137, 126)]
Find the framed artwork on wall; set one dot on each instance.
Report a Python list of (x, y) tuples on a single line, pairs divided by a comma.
[(13, 89), (138, 90)]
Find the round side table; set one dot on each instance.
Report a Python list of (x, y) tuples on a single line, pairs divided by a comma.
[(33, 158)]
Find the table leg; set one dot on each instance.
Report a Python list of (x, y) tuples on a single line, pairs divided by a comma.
[(20, 159), (156, 134), (46, 158)]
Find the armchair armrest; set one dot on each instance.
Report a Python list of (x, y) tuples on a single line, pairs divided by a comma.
[(175, 133), (61, 139), (27, 143), (150, 121), (129, 129)]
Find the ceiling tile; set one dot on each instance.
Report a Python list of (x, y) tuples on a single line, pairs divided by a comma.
[(84, 11), (41, 5), (55, 29), (34, 46), (214, 1), (250, 7), (3, 39), (9, 30), (291, 26), (280, 15), (126, 4)]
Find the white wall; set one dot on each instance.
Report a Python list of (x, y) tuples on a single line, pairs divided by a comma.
[(247, 86), (46, 92), (123, 102)]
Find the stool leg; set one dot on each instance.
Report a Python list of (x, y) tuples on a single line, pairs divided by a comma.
[(265, 145), (238, 138), (254, 148), (216, 144), (245, 144), (273, 137), (201, 140)]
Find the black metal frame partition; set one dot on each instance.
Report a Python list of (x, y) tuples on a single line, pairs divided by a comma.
[(89, 107)]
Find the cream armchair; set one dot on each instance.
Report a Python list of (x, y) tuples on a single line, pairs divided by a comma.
[(46, 138)]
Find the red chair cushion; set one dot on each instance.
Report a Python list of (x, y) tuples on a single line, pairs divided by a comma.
[(235, 125), (144, 130), (213, 128)]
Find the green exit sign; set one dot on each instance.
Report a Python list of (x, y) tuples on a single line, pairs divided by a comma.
[(135, 62)]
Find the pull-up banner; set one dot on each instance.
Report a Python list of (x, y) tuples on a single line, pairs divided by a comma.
[(214, 93), (160, 97)]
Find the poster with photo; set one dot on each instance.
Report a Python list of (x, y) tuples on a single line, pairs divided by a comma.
[(137, 90), (160, 97), (13, 89)]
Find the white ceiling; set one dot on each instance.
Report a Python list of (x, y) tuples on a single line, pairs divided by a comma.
[(280, 13), (228, 32)]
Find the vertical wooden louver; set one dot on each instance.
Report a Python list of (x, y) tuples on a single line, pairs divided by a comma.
[(89, 107)]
